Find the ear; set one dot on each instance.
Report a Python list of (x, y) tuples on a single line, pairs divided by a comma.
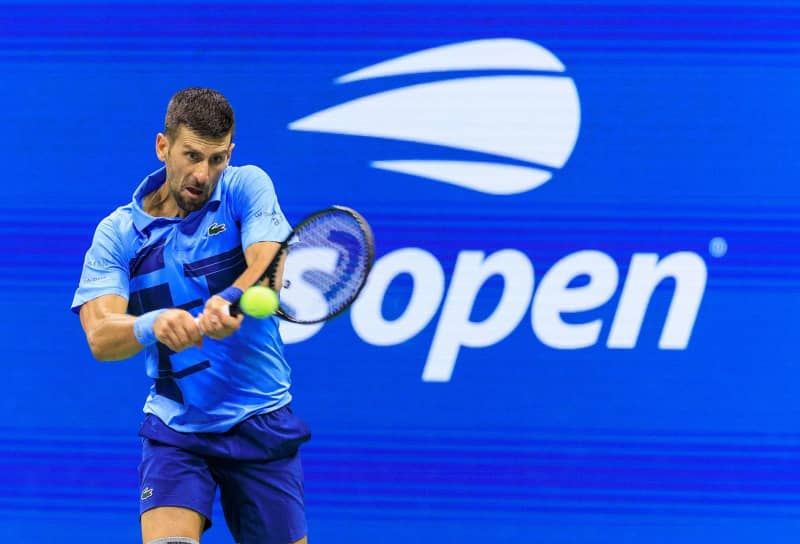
[(230, 150), (162, 146)]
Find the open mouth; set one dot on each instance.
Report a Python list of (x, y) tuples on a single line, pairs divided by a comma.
[(194, 191)]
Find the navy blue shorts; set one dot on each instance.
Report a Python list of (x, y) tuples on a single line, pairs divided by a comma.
[(256, 465)]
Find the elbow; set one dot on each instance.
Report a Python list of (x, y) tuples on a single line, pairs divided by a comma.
[(98, 349)]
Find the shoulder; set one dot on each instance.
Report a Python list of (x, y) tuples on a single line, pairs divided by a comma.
[(116, 229), (248, 186), (247, 175), (118, 222)]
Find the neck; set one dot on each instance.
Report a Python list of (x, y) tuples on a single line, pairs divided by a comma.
[(160, 203)]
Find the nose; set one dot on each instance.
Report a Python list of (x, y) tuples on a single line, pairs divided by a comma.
[(201, 173)]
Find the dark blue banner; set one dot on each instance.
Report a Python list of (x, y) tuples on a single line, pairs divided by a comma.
[(580, 323)]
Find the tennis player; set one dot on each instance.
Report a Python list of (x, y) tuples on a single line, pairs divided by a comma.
[(158, 278)]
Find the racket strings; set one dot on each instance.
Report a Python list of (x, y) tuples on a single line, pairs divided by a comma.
[(327, 263)]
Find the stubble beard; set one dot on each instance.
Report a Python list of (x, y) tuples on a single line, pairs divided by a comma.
[(182, 203)]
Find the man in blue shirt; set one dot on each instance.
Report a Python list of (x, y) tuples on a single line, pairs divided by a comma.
[(159, 277)]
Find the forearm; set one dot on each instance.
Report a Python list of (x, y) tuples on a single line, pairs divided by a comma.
[(259, 256), (252, 273), (113, 334), (112, 338)]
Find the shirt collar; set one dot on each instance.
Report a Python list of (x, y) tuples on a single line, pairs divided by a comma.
[(143, 220)]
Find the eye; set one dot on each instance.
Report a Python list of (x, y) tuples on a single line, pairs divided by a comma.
[(218, 159), (192, 156)]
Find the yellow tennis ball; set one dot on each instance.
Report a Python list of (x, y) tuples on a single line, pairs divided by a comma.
[(259, 301)]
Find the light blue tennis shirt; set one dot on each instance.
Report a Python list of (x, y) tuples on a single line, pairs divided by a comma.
[(157, 262)]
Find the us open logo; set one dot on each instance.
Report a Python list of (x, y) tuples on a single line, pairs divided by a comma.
[(521, 125), (523, 121)]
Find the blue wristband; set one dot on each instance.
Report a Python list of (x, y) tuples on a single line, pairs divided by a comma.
[(143, 327), (231, 294)]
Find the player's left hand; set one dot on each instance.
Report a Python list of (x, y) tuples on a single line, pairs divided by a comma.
[(216, 321)]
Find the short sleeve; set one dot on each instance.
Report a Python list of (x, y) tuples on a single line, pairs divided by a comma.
[(258, 211), (104, 270)]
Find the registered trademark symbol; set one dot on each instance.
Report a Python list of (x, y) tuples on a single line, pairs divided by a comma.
[(718, 247)]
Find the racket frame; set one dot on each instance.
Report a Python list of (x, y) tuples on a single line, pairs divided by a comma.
[(271, 271)]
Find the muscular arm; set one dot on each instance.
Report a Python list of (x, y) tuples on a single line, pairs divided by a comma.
[(216, 321), (258, 257), (109, 329)]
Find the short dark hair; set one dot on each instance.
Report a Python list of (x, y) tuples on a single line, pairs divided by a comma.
[(204, 111)]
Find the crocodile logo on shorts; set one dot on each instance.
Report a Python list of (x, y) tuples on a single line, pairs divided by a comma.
[(147, 492)]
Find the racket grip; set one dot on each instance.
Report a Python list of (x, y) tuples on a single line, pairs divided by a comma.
[(234, 310), (197, 322)]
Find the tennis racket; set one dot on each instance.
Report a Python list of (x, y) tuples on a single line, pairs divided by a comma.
[(321, 267)]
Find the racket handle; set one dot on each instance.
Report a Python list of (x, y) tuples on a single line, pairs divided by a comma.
[(197, 322), (233, 311)]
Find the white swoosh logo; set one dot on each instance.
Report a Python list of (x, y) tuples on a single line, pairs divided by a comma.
[(529, 118), (486, 177), (499, 54)]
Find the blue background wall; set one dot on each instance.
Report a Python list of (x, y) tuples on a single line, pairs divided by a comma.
[(688, 133)]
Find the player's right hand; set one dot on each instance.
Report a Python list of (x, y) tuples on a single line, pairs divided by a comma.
[(178, 330), (216, 321)]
